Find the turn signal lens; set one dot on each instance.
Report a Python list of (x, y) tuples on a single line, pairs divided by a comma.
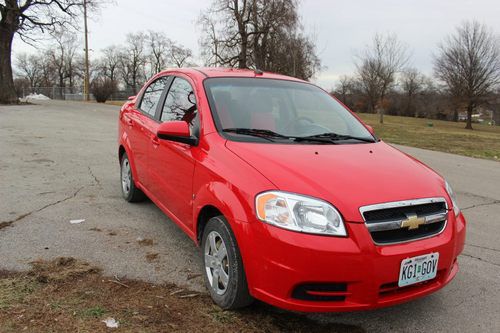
[(453, 198)]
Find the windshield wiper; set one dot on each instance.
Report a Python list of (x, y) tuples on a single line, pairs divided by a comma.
[(334, 137), (261, 133), (270, 135)]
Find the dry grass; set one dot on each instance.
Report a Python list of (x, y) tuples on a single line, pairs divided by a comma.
[(447, 136), (117, 103), (67, 295)]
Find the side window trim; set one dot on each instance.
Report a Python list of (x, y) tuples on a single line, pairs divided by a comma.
[(163, 100), (163, 97), (160, 101), (169, 85)]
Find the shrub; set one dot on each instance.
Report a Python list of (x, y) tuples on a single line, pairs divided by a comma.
[(102, 89)]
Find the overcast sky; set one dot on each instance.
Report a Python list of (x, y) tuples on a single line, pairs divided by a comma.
[(340, 28)]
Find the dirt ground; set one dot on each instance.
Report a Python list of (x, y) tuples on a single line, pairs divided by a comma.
[(68, 295)]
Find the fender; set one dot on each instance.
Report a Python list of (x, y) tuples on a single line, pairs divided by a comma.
[(125, 143), (219, 195)]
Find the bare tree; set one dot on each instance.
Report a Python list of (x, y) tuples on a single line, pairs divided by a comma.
[(179, 55), (158, 44), (377, 67), (210, 44), (412, 83), (272, 22), (74, 61), (344, 88), (62, 56), (258, 34), (110, 62), (133, 61), (229, 21), (468, 63), (47, 70), (30, 68), (26, 17)]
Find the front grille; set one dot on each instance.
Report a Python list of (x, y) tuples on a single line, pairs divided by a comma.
[(321, 292), (399, 212), (388, 222), (403, 235)]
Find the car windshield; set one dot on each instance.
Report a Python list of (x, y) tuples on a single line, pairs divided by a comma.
[(256, 109)]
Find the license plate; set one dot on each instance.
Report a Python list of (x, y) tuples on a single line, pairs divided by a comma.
[(418, 269)]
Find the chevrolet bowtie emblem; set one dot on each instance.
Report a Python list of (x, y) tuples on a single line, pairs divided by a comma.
[(412, 222)]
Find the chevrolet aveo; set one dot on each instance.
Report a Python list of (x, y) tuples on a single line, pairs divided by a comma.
[(291, 198)]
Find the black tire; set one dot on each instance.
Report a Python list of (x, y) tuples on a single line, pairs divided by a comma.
[(133, 194), (236, 293)]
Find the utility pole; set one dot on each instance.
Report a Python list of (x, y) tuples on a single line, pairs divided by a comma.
[(86, 80)]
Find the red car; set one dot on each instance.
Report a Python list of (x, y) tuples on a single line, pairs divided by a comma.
[(292, 199)]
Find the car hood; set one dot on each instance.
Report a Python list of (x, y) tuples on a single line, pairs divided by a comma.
[(347, 175)]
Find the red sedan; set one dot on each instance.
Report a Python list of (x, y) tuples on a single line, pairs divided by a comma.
[(292, 199)]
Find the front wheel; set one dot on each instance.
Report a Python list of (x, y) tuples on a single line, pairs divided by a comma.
[(224, 274), (129, 191)]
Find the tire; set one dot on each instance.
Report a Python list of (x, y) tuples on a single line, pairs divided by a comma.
[(234, 293), (129, 191)]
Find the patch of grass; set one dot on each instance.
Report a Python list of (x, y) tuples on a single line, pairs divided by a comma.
[(78, 303), (446, 136), (14, 290), (95, 312), (118, 103)]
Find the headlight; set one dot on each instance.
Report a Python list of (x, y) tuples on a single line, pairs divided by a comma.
[(299, 213), (453, 198)]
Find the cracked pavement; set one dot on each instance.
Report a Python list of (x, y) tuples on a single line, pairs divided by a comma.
[(59, 163)]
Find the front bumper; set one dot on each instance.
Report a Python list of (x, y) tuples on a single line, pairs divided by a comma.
[(278, 261)]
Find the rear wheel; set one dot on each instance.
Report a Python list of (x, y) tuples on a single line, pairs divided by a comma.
[(224, 274), (129, 191)]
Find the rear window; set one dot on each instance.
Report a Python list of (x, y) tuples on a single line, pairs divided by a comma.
[(152, 95)]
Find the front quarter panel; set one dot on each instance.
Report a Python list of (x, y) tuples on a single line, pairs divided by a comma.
[(226, 182)]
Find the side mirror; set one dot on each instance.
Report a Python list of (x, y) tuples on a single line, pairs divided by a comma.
[(131, 98), (177, 131), (370, 129)]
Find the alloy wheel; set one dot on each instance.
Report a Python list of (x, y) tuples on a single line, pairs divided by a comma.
[(126, 176), (217, 263)]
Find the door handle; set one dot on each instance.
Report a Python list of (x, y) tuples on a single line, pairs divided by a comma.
[(155, 140), (130, 122)]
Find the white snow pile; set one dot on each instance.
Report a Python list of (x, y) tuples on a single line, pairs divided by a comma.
[(39, 97)]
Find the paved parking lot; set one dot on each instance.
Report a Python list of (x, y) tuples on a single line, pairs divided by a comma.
[(59, 163)]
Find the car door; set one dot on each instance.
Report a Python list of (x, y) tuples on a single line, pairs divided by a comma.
[(173, 163), (144, 125)]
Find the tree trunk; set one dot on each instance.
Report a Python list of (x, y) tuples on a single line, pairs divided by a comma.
[(496, 117), (470, 108), (242, 60), (7, 92), (381, 109), (409, 104), (381, 115)]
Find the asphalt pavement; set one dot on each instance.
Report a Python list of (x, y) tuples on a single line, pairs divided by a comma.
[(58, 163)]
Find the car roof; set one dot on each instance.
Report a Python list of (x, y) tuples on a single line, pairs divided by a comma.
[(230, 72)]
